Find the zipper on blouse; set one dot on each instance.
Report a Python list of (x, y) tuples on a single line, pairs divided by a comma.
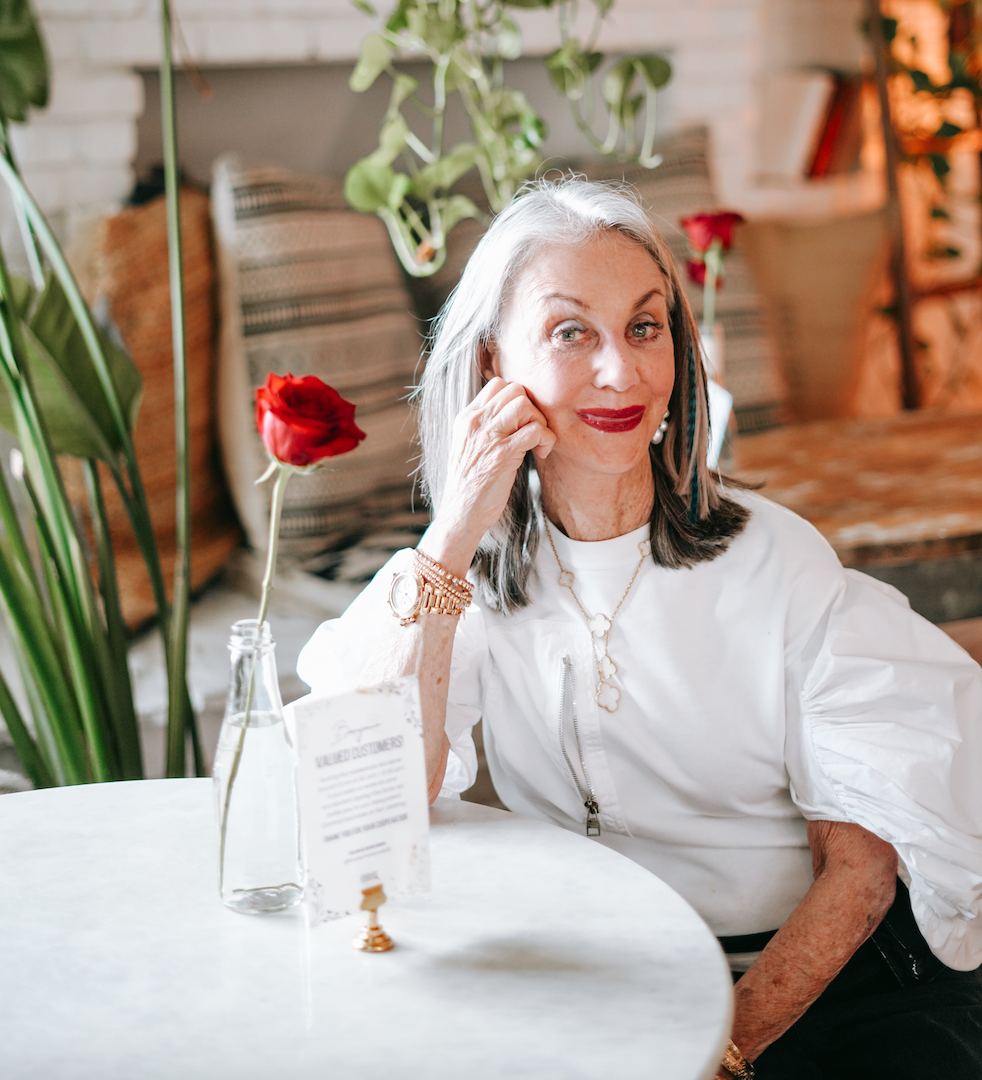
[(588, 795)]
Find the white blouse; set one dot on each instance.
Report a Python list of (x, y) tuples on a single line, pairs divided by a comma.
[(760, 690)]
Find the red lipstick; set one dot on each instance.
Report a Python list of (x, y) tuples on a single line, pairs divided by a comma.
[(612, 420)]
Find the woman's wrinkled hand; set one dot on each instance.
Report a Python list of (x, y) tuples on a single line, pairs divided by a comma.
[(490, 440)]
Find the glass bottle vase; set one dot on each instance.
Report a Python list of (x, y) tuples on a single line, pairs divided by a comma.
[(260, 867)]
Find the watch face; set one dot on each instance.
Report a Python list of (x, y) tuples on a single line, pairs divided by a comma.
[(405, 594)]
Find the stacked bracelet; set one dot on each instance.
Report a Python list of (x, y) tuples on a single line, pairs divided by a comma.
[(734, 1062), (427, 589), (455, 586)]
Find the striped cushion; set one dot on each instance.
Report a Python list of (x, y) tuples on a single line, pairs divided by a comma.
[(310, 287)]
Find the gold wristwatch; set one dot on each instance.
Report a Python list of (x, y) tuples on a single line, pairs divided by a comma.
[(415, 592)]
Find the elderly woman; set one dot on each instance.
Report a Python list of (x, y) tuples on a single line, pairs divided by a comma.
[(677, 666)]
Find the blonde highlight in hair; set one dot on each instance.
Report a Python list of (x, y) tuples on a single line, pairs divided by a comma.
[(692, 521)]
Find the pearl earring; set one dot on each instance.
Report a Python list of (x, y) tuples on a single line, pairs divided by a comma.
[(662, 428)]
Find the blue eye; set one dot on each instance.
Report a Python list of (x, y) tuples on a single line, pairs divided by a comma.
[(641, 329)]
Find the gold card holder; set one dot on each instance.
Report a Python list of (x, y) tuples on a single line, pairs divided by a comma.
[(372, 937)]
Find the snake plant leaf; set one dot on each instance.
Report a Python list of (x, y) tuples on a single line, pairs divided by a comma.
[(55, 327), (445, 171), (23, 61), (68, 393), (70, 426), (375, 57)]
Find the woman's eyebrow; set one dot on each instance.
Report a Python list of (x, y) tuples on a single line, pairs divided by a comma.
[(656, 291)]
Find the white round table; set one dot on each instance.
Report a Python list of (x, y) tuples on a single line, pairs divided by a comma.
[(538, 954)]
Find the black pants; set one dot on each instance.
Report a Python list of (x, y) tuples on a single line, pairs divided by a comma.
[(894, 1012)]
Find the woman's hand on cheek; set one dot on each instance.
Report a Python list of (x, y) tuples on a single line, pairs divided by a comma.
[(490, 440)]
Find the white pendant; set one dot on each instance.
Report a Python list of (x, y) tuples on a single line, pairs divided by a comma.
[(607, 667), (599, 624), (608, 696)]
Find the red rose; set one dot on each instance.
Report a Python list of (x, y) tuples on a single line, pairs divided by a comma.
[(304, 420), (703, 229)]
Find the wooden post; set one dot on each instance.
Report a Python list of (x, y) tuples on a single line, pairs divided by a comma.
[(895, 221)]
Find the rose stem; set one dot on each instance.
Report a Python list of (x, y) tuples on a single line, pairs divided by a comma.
[(283, 474)]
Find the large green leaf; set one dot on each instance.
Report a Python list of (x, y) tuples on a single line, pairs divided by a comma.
[(68, 392), (54, 325), (23, 61)]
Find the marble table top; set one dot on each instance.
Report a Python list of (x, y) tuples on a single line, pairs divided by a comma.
[(538, 954)]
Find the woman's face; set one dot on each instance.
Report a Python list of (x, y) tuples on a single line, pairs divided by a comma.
[(586, 334)]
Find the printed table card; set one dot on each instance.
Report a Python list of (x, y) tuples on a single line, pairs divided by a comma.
[(361, 778)]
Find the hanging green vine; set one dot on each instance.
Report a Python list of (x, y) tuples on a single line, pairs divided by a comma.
[(467, 43)]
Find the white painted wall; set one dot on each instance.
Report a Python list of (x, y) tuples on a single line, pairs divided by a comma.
[(78, 154)]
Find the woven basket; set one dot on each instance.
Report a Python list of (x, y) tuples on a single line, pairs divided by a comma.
[(126, 268)]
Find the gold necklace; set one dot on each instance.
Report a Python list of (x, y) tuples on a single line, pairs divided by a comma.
[(599, 625)]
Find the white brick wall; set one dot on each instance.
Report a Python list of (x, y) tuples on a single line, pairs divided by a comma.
[(77, 154)]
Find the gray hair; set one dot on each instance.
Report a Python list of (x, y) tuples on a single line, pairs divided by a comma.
[(686, 524)]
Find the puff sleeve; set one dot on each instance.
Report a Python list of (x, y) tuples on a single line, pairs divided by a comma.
[(885, 730), (331, 662)]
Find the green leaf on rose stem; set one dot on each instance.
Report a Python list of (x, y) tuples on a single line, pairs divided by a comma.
[(23, 61), (445, 171), (365, 7), (375, 57)]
